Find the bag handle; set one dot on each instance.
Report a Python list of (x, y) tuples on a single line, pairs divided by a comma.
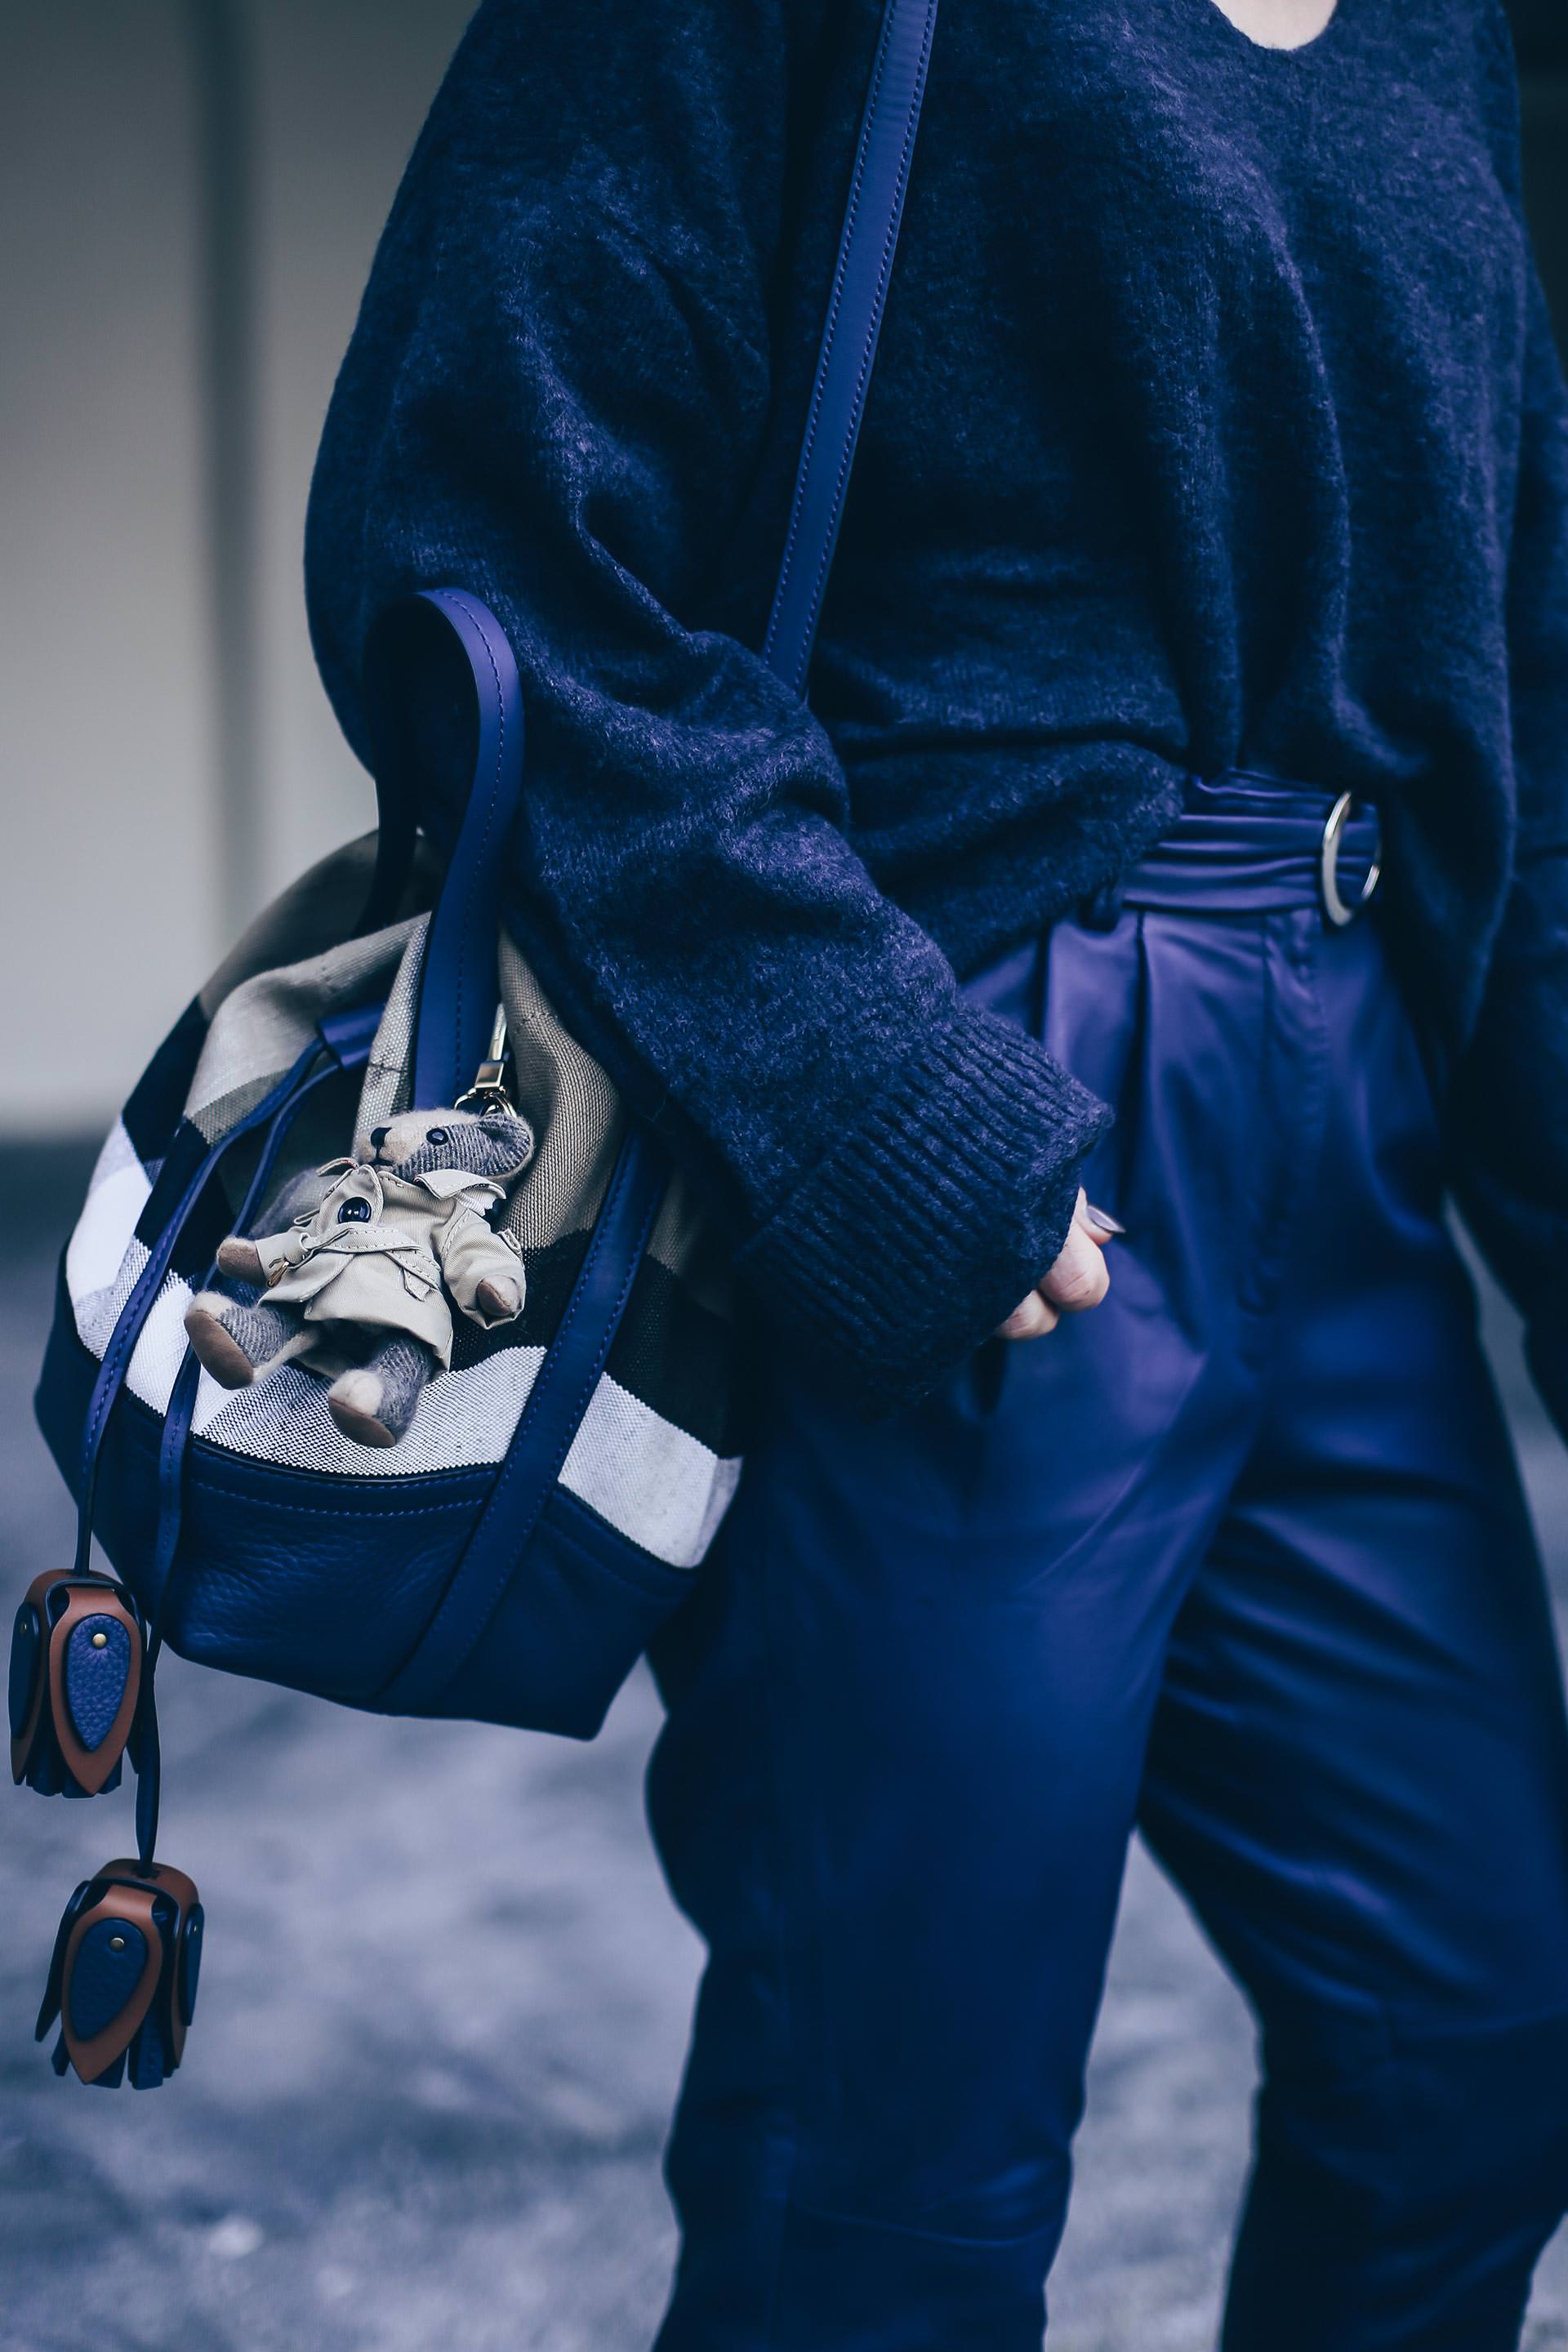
[(454, 646), (447, 634)]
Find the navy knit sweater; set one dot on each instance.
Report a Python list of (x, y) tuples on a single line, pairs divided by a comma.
[(1217, 422)]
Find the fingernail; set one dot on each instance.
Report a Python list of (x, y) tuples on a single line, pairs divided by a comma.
[(1097, 1222)]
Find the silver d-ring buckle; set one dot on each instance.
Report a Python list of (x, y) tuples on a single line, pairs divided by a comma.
[(1334, 907)]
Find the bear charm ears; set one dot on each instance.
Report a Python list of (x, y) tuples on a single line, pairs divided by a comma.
[(494, 1145)]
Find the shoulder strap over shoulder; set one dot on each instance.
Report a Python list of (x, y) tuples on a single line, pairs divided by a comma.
[(849, 338)]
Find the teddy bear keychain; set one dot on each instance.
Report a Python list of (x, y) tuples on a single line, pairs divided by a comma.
[(356, 1291)]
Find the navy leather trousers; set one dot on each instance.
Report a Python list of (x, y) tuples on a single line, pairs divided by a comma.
[(1239, 1558)]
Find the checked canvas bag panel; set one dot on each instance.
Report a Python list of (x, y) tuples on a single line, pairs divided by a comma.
[(654, 1456)]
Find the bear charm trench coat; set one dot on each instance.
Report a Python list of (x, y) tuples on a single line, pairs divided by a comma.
[(377, 1251)]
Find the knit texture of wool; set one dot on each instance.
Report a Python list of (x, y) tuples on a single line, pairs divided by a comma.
[(1217, 422)]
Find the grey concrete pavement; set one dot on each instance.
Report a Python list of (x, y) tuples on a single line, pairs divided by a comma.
[(441, 2025)]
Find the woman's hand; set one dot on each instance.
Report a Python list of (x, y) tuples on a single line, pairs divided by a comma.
[(1079, 1279)]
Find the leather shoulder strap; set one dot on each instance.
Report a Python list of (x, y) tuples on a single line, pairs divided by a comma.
[(849, 338)]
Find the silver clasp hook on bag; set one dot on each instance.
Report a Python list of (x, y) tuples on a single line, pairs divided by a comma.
[(487, 1091)]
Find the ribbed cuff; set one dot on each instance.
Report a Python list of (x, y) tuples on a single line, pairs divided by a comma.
[(935, 1214)]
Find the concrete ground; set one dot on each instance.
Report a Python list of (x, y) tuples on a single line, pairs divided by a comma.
[(441, 2024)]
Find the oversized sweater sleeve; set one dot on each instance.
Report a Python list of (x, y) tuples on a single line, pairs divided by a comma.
[(557, 395), (1511, 1106)]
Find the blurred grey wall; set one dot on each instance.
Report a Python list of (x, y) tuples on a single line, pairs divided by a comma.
[(190, 192)]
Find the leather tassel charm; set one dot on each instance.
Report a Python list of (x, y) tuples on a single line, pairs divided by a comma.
[(122, 1981), (77, 1647)]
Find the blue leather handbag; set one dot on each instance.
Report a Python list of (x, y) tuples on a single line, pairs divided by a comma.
[(510, 1558)]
